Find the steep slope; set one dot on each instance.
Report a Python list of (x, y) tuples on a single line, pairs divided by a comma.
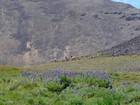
[(35, 31), (129, 47)]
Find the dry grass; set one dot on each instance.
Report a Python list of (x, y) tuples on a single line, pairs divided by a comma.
[(121, 63)]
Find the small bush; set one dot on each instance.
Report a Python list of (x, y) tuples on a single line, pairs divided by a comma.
[(65, 81), (55, 87)]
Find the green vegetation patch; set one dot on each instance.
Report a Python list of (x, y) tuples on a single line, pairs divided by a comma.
[(60, 87)]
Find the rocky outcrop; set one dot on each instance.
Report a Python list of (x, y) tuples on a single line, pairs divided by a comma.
[(127, 48)]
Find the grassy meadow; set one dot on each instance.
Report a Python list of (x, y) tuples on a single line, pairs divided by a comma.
[(96, 81)]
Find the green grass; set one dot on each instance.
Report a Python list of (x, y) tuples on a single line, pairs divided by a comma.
[(123, 69), (70, 91), (9, 71)]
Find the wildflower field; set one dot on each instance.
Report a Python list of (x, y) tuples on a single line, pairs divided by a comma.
[(53, 84)]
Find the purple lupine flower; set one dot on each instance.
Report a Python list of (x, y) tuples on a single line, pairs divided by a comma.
[(127, 84), (58, 80), (138, 86), (88, 74), (25, 73), (97, 74), (106, 77)]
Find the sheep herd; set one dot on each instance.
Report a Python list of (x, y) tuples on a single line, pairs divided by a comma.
[(73, 58)]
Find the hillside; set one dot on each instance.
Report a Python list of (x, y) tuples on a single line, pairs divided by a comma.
[(36, 31)]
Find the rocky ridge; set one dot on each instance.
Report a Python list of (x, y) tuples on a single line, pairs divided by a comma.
[(127, 48)]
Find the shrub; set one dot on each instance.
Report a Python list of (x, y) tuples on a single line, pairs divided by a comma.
[(76, 101), (65, 81), (55, 86)]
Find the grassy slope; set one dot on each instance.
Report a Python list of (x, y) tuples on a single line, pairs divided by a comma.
[(122, 63), (110, 64)]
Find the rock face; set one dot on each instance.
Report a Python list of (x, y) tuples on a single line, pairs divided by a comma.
[(127, 48), (35, 31)]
